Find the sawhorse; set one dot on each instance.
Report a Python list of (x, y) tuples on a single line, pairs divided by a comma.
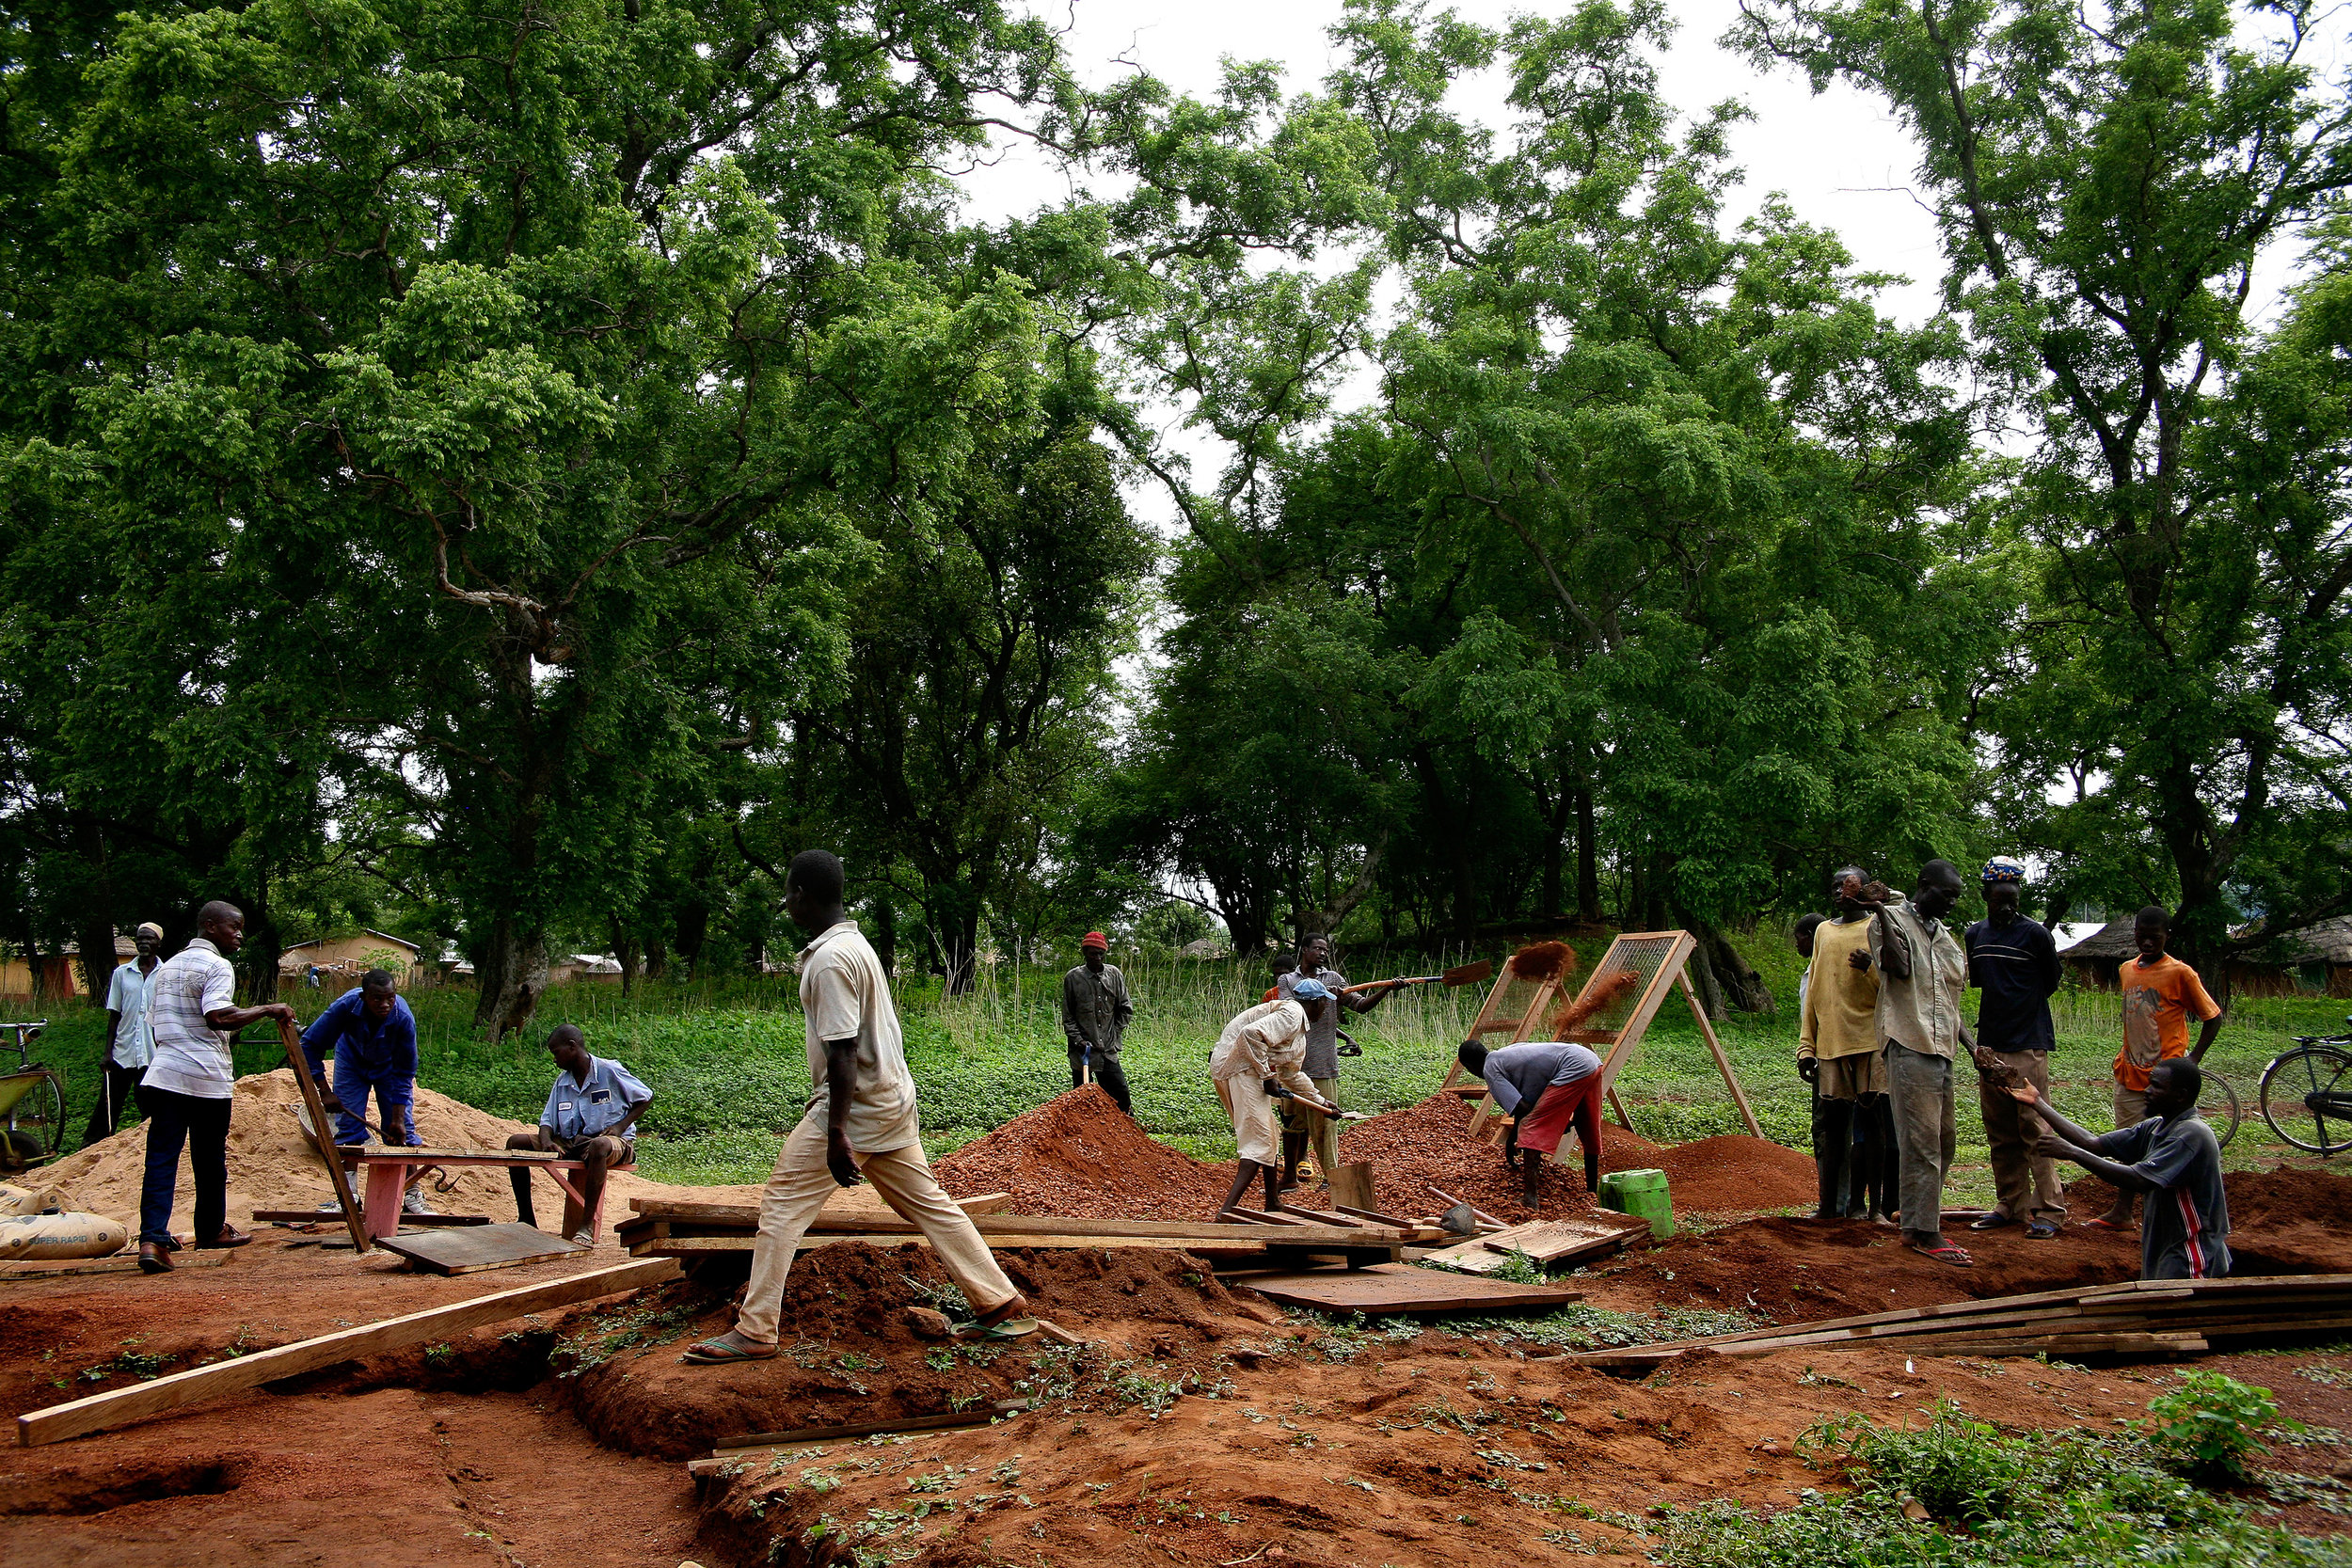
[(387, 1167)]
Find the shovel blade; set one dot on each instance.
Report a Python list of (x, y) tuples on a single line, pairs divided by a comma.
[(1468, 974)]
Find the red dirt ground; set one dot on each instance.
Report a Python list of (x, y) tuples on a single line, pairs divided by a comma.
[(1317, 1448)]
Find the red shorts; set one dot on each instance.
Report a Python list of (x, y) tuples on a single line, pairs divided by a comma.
[(1542, 1128)]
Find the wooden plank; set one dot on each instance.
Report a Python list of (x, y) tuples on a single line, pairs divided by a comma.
[(1378, 1218), (404, 1155), (479, 1247), (979, 1416), (1554, 1241), (1011, 1225), (689, 1246), (117, 1406), (1401, 1288), (316, 1111), (1351, 1188), (1321, 1216), (1723, 1062), (120, 1263), (321, 1216)]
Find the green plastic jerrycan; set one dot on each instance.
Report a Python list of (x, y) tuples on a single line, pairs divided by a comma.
[(1643, 1194)]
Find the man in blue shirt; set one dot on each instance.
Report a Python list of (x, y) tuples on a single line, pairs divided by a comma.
[(372, 1036), (591, 1117)]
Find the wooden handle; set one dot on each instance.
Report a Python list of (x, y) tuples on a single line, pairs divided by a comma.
[(317, 1108)]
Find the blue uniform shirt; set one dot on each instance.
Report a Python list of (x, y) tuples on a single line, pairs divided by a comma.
[(375, 1049), (577, 1110)]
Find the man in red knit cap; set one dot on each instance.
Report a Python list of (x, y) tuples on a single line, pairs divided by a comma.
[(1095, 1014)]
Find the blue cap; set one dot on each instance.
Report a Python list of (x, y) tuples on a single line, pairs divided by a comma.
[(2000, 868), (1311, 991)]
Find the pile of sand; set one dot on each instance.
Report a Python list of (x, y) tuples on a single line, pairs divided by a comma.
[(271, 1167)]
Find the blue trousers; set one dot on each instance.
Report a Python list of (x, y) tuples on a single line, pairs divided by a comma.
[(175, 1121), (395, 1096)]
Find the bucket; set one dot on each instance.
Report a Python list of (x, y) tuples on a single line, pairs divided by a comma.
[(1643, 1194)]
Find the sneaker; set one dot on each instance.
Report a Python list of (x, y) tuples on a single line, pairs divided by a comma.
[(412, 1202)]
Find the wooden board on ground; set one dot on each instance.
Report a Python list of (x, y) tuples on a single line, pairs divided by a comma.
[(1006, 1230), (330, 1216), (1400, 1287), (117, 1406), (695, 1247), (470, 1249), (1566, 1240), (736, 1446), (314, 1124), (1351, 1187), (122, 1262)]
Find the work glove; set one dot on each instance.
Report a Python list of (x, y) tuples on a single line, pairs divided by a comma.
[(1809, 1068)]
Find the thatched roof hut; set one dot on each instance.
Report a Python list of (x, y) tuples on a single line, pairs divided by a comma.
[(2316, 959)]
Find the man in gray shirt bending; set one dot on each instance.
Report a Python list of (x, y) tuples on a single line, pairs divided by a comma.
[(2173, 1157)]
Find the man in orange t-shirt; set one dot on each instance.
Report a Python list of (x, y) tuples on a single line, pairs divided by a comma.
[(2159, 993)]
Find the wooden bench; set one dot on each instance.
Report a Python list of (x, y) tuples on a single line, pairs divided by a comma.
[(387, 1167)]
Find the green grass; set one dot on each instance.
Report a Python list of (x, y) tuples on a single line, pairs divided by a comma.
[(729, 1073), (1978, 1495)]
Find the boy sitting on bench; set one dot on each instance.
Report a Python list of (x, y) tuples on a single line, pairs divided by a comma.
[(591, 1117)]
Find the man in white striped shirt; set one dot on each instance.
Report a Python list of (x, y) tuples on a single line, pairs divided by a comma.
[(192, 1007)]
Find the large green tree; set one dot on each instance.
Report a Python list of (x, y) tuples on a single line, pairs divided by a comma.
[(518, 370), (2107, 179)]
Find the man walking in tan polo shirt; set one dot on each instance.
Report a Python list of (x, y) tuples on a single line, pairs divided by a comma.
[(859, 1122)]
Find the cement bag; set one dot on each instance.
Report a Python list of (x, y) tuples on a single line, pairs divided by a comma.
[(22, 1200), (26, 1237)]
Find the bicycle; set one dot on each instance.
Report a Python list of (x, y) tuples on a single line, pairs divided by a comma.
[(2218, 1106), (2306, 1093), (32, 1097)]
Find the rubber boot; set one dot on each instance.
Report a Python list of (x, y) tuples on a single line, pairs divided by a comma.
[(1881, 1158), (522, 1197), (1833, 1135)]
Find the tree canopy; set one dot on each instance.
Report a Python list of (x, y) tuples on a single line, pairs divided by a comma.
[(515, 475)]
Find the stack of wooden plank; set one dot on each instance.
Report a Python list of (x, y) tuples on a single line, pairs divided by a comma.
[(2151, 1317), (662, 1227), (1551, 1243)]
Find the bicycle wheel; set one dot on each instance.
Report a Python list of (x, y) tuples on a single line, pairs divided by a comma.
[(2305, 1098), (2219, 1107), (36, 1126)]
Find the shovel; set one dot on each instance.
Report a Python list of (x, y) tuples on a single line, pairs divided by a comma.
[(1461, 974)]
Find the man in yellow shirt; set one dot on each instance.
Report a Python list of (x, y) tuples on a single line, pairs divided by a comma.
[(2159, 993), (1838, 1052)]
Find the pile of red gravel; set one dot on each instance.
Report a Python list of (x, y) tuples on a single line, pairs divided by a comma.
[(1080, 1156)]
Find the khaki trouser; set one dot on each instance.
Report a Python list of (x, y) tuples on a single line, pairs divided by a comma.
[(1920, 1086), (1323, 1133), (2026, 1183), (798, 1191)]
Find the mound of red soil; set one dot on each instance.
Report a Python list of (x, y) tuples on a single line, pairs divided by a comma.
[(1080, 1156), (848, 1351), (2281, 1220), (1734, 1174), (1427, 1145), (1794, 1271)]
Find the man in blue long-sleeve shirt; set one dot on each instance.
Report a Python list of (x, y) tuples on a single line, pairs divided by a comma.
[(372, 1037)]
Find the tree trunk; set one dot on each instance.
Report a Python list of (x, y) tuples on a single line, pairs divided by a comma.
[(694, 930), (954, 914), (885, 932), (513, 969), (626, 950), (1587, 862), (1723, 981), (263, 946), (657, 956), (95, 931)]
